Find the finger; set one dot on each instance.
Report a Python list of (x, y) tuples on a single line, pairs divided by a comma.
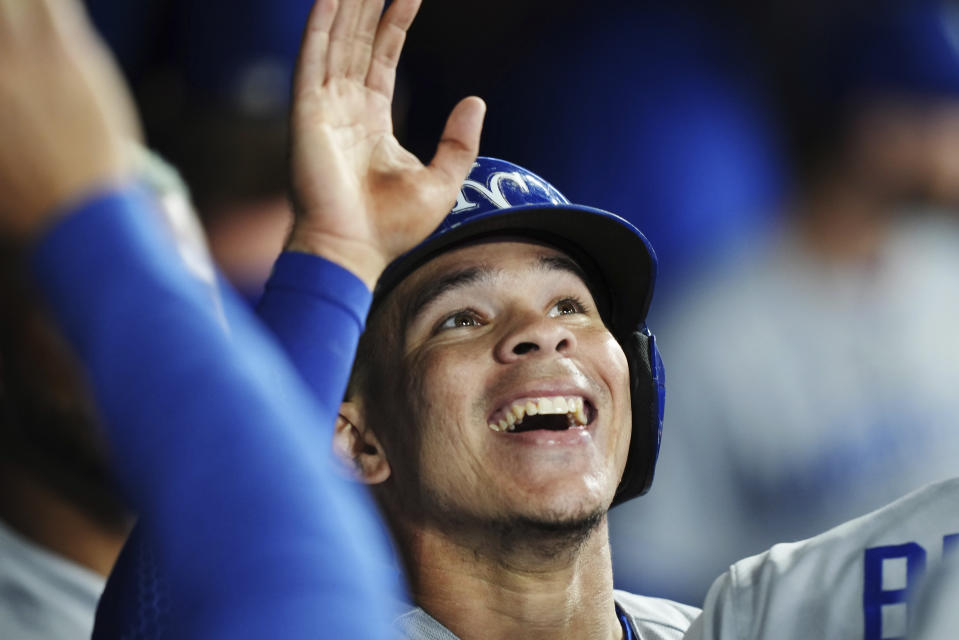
[(390, 37), (459, 144), (341, 38), (364, 38), (311, 67)]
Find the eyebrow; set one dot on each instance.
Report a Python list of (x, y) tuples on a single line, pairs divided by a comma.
[(425, 296), (562, 263)]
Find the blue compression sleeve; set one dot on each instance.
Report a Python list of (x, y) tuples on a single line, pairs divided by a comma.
[(305, 294), (214, 440)]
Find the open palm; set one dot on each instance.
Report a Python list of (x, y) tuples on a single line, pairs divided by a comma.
[(362, 198)]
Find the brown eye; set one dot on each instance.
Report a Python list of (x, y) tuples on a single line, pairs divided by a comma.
[(460, 319), (565, 307)]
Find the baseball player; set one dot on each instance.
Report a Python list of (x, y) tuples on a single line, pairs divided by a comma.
[(505, 392)]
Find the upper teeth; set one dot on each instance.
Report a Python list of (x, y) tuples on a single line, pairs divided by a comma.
[(572, 406)]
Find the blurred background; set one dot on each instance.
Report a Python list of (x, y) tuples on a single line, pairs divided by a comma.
[(795, 164)]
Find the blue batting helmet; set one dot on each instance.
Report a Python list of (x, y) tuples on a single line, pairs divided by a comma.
[(500, 198)]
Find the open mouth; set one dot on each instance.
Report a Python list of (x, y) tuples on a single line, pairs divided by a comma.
[(548, 413)]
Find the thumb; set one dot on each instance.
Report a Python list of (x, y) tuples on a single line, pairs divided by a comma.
[(459, 143)]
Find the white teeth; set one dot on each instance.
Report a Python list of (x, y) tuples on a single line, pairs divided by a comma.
[(573, 406)]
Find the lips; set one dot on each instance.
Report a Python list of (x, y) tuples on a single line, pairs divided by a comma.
[(554, 413)]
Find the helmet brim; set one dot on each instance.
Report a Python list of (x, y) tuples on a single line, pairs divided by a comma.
[(609, 248)]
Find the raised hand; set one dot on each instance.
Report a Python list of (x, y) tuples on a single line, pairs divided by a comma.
[(67, 123), (361, 198)]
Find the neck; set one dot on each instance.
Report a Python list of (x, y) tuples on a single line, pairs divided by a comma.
[(481, 593), (48, 520)]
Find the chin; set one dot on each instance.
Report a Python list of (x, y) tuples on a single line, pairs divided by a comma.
[(561, 506), (550, 534)]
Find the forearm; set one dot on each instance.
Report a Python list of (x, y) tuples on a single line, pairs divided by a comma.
[(211, 435), (317, 310)]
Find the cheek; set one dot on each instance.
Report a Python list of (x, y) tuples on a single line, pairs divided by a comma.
[(615, 374), (616, 369), (442, 391)]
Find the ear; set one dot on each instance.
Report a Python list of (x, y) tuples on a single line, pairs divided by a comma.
[(358, 448)]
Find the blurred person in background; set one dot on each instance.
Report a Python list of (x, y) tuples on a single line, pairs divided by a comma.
[(813, 378)]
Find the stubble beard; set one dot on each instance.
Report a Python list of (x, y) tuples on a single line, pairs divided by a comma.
[(547, 536)]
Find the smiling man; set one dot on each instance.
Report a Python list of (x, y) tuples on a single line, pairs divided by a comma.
[(505, 394)]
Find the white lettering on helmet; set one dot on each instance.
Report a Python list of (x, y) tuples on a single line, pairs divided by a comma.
[(493, 191)]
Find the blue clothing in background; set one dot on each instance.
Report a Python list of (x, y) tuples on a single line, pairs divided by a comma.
[(216, 441), (654, 113)]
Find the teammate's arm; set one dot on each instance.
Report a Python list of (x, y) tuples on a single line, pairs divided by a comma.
[(228, 474)]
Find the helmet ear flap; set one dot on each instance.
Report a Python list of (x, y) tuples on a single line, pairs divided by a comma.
[(647, 380)]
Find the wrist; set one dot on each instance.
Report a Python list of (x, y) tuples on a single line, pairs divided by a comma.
[(362, 260)]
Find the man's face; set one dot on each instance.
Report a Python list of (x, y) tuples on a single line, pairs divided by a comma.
[(494, 333)]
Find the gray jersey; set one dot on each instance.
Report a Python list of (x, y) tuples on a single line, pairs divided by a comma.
[(651, 618), (850, 582), (43, 596)]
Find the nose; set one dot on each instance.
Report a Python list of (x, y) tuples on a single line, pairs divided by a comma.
[(533, 336)]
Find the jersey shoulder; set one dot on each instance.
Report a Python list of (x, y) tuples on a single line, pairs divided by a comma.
[(852, 581)]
